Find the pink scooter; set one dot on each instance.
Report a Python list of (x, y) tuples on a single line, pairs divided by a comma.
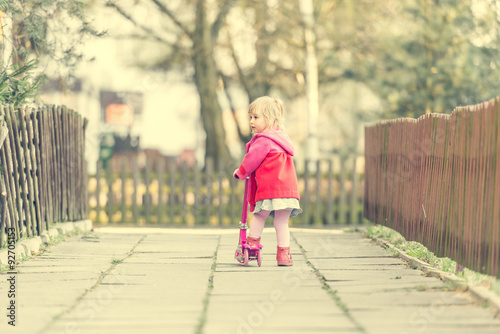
[(245, 253)]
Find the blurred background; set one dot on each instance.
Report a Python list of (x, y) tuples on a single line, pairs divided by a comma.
[(166, 84), (174, 78)]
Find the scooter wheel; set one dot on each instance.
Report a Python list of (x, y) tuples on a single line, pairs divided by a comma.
[(245, 255), (238, 256), (259, 257)]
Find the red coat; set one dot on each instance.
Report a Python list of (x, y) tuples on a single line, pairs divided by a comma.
[(269, 164)]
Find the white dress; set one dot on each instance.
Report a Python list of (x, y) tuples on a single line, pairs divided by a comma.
[(278, 204)]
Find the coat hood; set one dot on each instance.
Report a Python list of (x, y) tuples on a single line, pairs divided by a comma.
[(279, 137)]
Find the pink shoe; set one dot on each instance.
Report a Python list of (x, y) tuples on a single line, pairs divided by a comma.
[(253, 242), (284, 257)]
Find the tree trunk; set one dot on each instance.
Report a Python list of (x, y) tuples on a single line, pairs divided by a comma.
[(261, 85), (312, 145), (206, 83)]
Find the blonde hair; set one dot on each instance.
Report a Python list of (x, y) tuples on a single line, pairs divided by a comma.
[(271, 108)]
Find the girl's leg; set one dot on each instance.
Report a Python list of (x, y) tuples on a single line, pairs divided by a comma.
[(281, 225), (258, 222)]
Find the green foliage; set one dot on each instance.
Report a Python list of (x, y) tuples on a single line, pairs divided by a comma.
[(438, 64), (420, 252), (446, 264), (380, 231), (18, 84), (41, 34), (417, 56)]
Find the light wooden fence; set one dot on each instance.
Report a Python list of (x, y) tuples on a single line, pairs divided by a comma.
[(436, 180), (170, 195), (43, 171)]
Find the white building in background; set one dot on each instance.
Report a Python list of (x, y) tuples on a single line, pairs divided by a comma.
[(169, 119), (169, 113)]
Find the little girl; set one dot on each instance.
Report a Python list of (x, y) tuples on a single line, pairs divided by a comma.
[(273, 180)]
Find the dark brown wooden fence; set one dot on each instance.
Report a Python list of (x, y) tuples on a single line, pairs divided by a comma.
[(436, 180), (43, 171), (171, 195)]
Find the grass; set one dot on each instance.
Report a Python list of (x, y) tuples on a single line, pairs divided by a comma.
[(351, 230), (91, 236), (420, 252), (452, 285), (54, 240)]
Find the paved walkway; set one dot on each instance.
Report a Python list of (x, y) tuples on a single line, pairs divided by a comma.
[(186, 281)]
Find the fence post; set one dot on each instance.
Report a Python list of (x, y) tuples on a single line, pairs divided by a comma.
[(31, 155), (184, 207), (54, 164), (342, 192), (135, 175), (197, 202), (109, 180), (123, 176), (85, 208), (46, 149), (44, 167), (318, 217), (209, 170), (83, 126), (41, 189), (354, 189), (98, 191), (74, 155), (330, 219), (62, 163), (77, 176), (159, 172), (147, 195), (221, 193), (68, 161), (171, 201)]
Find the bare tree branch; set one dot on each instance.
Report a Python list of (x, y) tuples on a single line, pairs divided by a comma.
[(149, 31), (241, 75), (226, 7), (176, 53), (243, 138), (174, 19), (133, 36)]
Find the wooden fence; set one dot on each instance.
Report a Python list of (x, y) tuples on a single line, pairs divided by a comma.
[(170, 195), (436, 180), (43, 171)]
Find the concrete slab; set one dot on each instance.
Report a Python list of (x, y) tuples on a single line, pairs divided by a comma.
[(156, 281), (383, 293)]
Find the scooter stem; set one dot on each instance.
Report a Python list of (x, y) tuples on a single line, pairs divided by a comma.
[(244, 213)]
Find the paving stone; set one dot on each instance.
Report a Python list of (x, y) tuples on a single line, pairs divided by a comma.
[(156, 280)]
